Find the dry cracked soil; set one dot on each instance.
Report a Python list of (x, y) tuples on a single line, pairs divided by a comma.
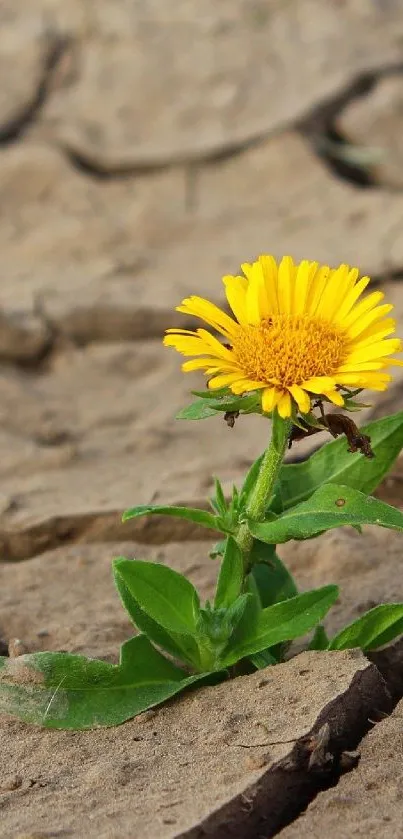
[(145, 150)]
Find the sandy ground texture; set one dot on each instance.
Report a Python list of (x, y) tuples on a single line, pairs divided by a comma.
[(144, 153), (194, 767)]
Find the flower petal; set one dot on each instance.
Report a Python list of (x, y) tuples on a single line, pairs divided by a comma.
[(363, 322), (284, 405), (285, 284), (245, 385), (223, 380), (374, 351), (335, 397), (317, 289), (270, 274), (209, 312), (270, 398), (318, 384), (301, 397), (333, 293), (366, 305), (350, 299), (305, 273), (254, 295), (235, 291)]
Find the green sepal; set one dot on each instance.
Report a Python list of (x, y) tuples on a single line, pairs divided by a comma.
[(213, 403)]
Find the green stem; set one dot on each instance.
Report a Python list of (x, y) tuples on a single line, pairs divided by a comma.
[(263, 489)]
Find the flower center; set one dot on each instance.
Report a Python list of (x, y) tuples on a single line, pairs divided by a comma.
[(289, 349)]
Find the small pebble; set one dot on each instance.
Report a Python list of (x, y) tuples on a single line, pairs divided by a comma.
[(16, 648), (255, 761), (12, 783)]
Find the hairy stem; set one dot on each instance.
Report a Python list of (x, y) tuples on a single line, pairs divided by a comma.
[(263, 489)]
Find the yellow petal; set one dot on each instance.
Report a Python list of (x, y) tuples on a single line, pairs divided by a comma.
[(318, 384), (254, 296), (209, 312), (270, 273), (270, 398), (285, 284), (350, 299), (284, 405), (375, 381), (223, 380), (374, 351), (371, 317), (244, 385), (305, 273), (367, 380), (317, 289), (197, 364), (369, 302), (235, 291), (334, 293), (362, 366), (216, 347), (376, 332), (187, 345), (335, 397), (301, 397), (396, 362)]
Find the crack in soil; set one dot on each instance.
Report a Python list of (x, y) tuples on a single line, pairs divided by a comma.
[(327, 141), (86, 528), (315, 763), (15, 128), (318, 126)]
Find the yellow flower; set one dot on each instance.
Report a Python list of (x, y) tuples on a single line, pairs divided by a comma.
[(298, 331)]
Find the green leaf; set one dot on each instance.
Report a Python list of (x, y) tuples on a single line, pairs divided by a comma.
[(219, 502), (230, 579), (202, 517), (282, 622), (333, 463), (207, 406), (244, 404), (59, 690), (272, 583), (319, 640), (182, 647), (163, 594), (328, 507), (374, 629), (213, 394), (263, 659), (273, 580), (196, 411)]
